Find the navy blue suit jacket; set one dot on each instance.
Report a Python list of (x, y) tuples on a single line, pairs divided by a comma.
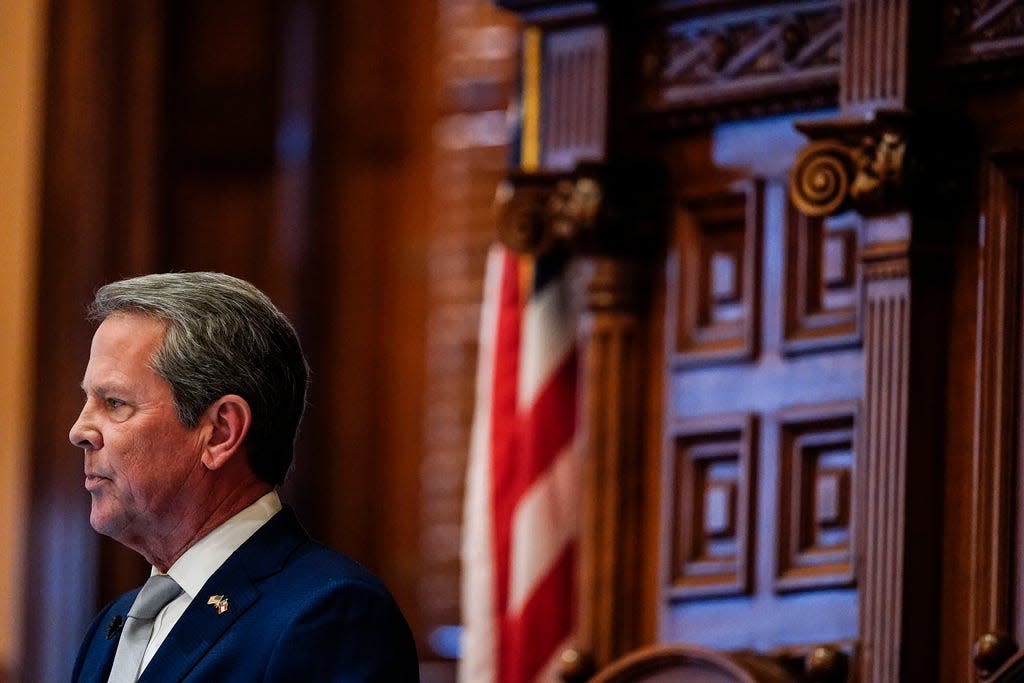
[(296, 611)]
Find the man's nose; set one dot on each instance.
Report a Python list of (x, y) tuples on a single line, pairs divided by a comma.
[(84, 433)]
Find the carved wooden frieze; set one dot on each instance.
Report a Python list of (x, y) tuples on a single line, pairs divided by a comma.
[(983, 35), (711, 472), (709, 66), (719, 274), (816, 494)]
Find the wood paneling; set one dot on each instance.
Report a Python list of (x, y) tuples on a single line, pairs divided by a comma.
[(364, 285), (822, 281), (98, 206), (817, 539), (999, 410), (710, 473), (720, 310), (796, 584), (993, 601), (21, 102)]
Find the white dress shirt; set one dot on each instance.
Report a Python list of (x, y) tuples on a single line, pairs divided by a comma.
[(198, 564)]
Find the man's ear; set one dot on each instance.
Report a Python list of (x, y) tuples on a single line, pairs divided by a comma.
[(229, 418)]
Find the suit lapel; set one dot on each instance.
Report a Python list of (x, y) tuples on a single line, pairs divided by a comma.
[(200, 626), (100, 656), (236, 582)]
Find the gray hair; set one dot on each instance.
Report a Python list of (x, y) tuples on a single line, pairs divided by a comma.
[(224, 336)]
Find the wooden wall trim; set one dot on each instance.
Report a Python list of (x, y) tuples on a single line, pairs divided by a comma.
[(990, 604)]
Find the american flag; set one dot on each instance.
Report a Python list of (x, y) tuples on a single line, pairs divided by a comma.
[(522, 488)]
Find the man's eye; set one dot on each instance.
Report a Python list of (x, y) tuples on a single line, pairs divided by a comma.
[(114, 403)]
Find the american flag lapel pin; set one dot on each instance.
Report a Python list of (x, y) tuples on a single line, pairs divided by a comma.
[(219, 602)]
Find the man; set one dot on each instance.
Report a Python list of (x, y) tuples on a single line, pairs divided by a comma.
[(193, 393)]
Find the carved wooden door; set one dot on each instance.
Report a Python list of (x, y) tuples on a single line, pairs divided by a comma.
[(763, 384)]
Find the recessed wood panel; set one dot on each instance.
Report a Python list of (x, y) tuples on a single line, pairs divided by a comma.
[(822, 288), (711, 464), (719, 275), (816, 485)]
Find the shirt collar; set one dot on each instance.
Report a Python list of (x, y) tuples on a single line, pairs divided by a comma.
[(194, 568)]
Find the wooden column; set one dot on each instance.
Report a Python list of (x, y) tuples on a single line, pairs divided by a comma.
[(864, 160), (610, 215), (587, 190), (611, 539), (905, 259), (903, 455)]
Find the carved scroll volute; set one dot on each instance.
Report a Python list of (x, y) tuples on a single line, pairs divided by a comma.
[(821, 178), (860, 164), (523, 216), (617, 210), (537, 212)]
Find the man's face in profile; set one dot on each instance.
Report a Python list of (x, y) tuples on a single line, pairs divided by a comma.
[(140, 459)]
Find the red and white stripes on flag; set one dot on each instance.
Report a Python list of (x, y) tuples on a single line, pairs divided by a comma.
[(520, 523)]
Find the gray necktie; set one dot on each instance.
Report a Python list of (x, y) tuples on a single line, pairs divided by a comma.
[(159, 590)]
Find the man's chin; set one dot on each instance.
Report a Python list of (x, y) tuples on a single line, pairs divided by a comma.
[(104, 522)]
